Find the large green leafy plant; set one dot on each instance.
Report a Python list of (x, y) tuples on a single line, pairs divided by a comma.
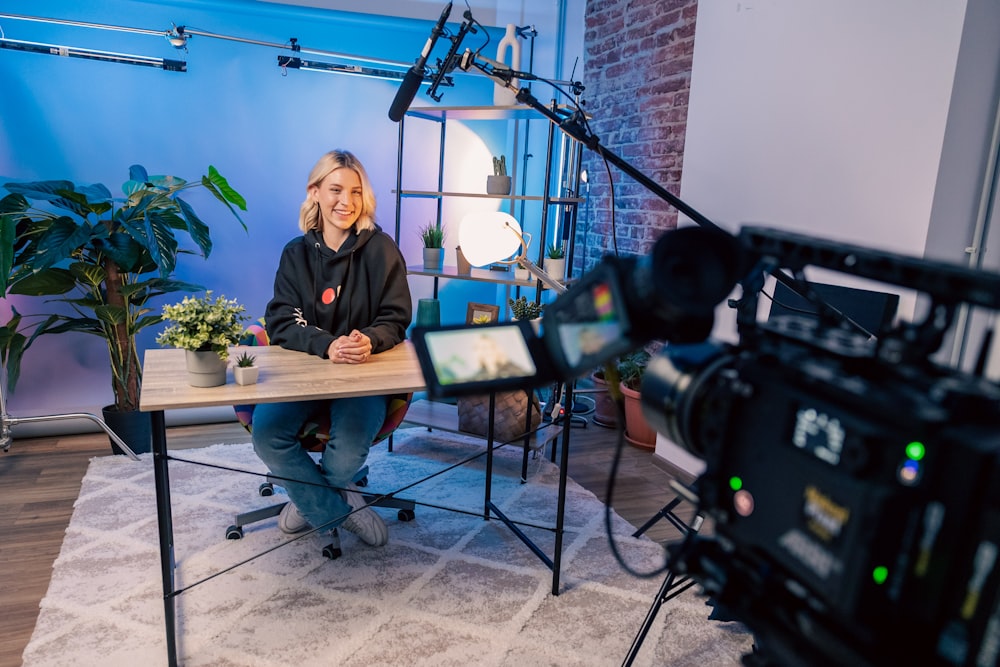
[(105, 257)]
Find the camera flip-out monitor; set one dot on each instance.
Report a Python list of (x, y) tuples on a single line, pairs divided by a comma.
[(588, 325), (460, 360)]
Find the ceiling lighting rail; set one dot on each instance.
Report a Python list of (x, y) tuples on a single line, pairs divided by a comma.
[(178, 37), (291, 62), (165, 64)]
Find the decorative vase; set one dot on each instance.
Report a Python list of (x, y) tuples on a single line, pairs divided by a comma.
[(503, 97), (433, 259), (245, 375), (134, 428), (428, 313), (638, 432), (521, 273), (464, 268), (556, 268), (205, 368)]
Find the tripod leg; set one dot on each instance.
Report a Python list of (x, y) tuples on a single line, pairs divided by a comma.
[(663, 513), (671, 588)]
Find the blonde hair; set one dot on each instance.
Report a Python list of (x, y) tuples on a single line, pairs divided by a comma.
[(309, 216)]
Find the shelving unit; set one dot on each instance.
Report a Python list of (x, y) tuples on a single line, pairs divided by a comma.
[(564, 171)]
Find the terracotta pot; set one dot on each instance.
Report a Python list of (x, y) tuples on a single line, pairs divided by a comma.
[(638, 432), (605, 412)]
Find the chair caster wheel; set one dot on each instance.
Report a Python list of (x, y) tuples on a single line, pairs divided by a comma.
[(266, 489), (332, 552), (406, 515), (234, 532), (362, 482)]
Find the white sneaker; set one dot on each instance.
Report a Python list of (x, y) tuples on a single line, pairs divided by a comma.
[(364, 523), (291, 520)]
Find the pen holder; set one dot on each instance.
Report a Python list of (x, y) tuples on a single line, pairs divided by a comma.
[(498, 185)]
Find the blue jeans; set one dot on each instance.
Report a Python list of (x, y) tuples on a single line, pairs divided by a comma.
[(354, 423)]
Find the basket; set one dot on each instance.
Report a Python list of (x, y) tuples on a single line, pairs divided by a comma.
[(510, 414)]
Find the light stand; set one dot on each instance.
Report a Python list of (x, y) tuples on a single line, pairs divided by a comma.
[(6, 422)]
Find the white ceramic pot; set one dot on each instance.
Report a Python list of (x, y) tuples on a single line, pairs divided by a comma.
[(556, 268), (246, 374)]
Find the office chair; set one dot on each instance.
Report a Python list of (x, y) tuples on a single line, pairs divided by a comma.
[(313, 436)]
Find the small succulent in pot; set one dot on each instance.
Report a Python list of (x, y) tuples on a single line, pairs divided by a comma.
[(245, 360)]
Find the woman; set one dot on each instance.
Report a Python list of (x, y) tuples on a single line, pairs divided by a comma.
[(340, 293)]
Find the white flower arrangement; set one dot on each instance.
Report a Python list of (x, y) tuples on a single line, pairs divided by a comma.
[(203, 323)]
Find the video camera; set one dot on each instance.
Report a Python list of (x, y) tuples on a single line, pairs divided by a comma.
[(854, 483)]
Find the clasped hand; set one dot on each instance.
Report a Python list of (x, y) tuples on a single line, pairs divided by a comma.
[(355, 348)]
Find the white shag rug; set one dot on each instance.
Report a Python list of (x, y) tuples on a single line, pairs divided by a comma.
[(448, 589)]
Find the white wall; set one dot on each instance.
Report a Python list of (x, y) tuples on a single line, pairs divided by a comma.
[(822, 118)]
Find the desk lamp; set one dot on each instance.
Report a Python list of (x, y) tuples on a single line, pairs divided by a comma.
[(489, 237)]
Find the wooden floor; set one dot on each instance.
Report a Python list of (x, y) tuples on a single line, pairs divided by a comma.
[(40, 480)]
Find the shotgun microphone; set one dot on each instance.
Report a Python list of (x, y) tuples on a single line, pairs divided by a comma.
[(415, 75)]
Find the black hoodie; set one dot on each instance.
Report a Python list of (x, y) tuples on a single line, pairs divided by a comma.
[(320, 295)]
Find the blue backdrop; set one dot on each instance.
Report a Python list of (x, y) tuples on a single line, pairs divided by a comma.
[(234, 108)]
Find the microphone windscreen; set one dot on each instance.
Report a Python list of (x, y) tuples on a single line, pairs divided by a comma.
[(404, 96)]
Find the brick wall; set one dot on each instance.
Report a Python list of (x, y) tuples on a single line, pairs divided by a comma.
[(637, 72)]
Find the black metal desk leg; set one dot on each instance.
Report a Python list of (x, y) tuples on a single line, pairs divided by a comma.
[(166, 525), (489, 456), (561, 504)]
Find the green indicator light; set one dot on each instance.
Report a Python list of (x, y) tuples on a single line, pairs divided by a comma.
[(880, 574), (915, 450), (735, 483)]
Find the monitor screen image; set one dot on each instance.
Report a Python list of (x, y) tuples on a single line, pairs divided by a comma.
[(479, 354)]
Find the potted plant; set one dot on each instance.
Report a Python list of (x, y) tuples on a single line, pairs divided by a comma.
[(105, 258), (605, 411), (244, 372), (432, 237), (554, 262), (631, 368), (523, 309), (205, 328)]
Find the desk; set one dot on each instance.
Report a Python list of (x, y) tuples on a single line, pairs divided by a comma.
[(286, 375)]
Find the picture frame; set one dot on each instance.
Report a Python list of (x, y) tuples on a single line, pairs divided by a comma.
[(482, 313)]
